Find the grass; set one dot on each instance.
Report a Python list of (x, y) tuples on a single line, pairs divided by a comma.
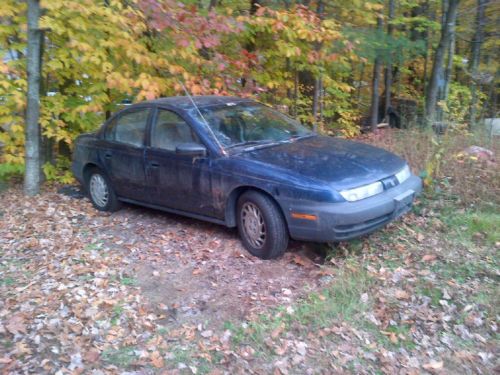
[(475, 231), (6, 344), (122, 357), (93, 246), (117, 313), (457, 271), (128, 281), (341, 300), (466, 225), (8, 170), (429, 290), (7, 281)]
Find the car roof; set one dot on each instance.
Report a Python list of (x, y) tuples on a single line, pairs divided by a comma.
[(184, 102)]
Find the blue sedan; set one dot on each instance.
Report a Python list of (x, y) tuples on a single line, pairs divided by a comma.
[(239, 163)]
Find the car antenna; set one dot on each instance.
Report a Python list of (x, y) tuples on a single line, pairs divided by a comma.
[(203, 117)]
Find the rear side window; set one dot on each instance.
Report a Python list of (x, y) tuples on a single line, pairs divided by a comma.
[(129, 128)]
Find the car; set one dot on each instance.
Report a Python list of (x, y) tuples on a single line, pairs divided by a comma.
[(240, 163)]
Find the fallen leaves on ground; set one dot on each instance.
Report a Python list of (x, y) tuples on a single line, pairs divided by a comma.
[(142, 291)]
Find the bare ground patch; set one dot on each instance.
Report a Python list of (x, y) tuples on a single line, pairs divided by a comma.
[(199, 272)]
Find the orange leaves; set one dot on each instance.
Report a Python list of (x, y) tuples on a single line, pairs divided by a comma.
[(429, 258), (120, 82), (433, 365), (16, 324), (401, 294), (157, 360)]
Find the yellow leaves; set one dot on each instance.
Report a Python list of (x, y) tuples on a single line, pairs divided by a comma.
[(345, 87), (16, 128), (373, 6), (303, 34), (80, 46), (4, 68), (292, 51), (11, 8), (106, 67), (117, 81), (150, 87), (54, 64), (271, 84)]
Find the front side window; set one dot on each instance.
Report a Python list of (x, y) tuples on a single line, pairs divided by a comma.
[(170, 130), (129, 128)]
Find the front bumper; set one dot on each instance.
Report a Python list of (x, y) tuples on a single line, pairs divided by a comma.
[(347, 220)]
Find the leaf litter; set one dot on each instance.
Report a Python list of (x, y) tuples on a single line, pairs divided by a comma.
[(139, 291)]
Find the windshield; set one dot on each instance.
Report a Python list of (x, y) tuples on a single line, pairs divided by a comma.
[(246, 124)]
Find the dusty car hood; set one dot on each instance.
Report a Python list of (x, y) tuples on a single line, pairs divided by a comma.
[(338, 162)]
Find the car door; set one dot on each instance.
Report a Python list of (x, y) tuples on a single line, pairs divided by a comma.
[(123, 154), (176, 181)]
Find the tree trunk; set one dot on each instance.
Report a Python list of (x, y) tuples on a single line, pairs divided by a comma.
[(32, 173), (212, 4), (437, 73), (295, 92), (427, 37), (377, 67), (254, 6), (360, 82), (449, 67), (321, 100), (318, 80), (476, 56), (288, 68), (388, 68), (316, 98)]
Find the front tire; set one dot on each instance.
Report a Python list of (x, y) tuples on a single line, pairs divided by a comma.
[(261, 225), (101, 193)]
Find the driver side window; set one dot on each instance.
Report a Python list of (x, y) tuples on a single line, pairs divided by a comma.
[(170, 130)]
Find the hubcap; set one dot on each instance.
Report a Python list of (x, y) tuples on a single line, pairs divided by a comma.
[(253, 224), (99, 190)]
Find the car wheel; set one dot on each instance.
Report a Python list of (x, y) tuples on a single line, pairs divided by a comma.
[(101, 192), (261, 226)]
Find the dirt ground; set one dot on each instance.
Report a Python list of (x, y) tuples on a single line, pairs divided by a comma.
[(200, 271), (144, 292)]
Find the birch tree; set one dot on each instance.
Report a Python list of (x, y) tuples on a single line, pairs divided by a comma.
[(32, 173)]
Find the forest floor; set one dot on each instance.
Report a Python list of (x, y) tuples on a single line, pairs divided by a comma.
[(140, 291), (144, 292)]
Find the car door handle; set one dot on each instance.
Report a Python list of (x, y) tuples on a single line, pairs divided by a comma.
[(108, 155), (155, 164)]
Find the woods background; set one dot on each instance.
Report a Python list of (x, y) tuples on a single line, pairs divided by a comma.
[(336, 65)]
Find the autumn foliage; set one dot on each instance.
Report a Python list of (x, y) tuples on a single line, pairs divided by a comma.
[(314, 59)]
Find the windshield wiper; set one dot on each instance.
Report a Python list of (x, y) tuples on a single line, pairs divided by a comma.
[(250, 143), (300, 136), (254, 145)]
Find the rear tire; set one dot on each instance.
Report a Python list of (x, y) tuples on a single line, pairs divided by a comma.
[(261, 225), (101, 193)]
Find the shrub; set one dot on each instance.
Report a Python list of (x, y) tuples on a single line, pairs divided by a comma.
[(444, 165)]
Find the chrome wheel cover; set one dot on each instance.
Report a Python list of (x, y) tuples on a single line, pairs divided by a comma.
[(99, 190), (253, 224)]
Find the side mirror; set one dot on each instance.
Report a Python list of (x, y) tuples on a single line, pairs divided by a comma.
[(191, 149)]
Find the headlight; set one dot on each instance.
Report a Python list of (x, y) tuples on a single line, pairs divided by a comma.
[(362, 192), (403, 175)]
